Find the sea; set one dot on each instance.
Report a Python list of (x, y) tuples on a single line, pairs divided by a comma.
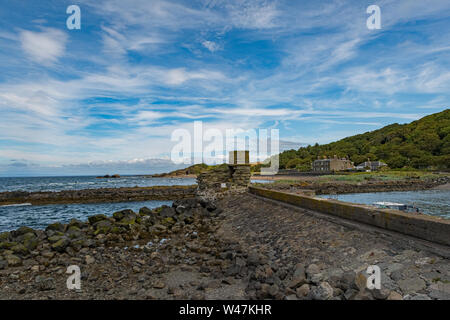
[(431, 202), (39, 216)]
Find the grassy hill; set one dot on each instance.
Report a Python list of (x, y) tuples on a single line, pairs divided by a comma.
[(424, 143)]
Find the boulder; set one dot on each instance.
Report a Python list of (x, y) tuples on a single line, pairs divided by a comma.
[(21, 231), (4, 236), (96, 218), (20, 249), (61, 245), (30, 241), (13, 261), (167, 212), (57, 226)]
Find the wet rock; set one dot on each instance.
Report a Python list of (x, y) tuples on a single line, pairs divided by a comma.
[(57, 226), (60, 245), (96, 218), (30, 241), (21, 231)]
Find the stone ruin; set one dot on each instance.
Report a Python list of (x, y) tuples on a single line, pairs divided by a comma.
[(224, 179)]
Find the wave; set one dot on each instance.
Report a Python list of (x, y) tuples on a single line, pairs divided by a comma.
[(16, 205)]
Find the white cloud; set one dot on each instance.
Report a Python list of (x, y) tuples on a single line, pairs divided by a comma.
[(211, 46), (44, 47)]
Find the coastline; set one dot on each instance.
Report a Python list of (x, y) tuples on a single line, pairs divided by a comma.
[(235, 248)]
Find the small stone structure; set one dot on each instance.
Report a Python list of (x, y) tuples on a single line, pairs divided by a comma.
[(223, 179)]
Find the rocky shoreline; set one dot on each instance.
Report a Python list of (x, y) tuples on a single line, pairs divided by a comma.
[(239, 247), (363, 187), (98, 195)]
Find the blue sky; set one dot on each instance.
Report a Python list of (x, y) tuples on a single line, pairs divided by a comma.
[(113, 92)]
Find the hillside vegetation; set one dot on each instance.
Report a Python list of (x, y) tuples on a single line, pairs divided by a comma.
[(421, 144)]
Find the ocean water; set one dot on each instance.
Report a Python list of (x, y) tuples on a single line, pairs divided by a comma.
[(15, 216), (38, 217), (31, 184), (431, 202)]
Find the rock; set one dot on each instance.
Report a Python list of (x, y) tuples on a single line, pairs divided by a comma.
[(303, 291), (6, 245), (89, 259), (45, 284), (322, 292), (20, 249), (144, 211), (30, 241), (159, 284), (102, 227), (125, 216), (313, 273), (298, 278), (394, 296), (167, 212), (3, 264), (96, 218), (361, 280), (440, 291), (417, 296), (61, 245), (363, 295), (411, 285), (13, 261), (380, 294), (57, 226), (76, 223), (21, 231), (4, 236)]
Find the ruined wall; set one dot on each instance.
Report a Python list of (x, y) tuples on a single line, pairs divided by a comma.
[(223, 179)]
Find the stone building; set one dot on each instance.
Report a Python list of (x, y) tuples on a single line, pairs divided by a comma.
[(333, 164), (371, 165), (226, 178)]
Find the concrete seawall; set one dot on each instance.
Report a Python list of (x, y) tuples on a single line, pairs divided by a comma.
[(421, 226)]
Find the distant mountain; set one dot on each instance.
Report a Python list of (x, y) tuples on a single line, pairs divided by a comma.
[(420, 144)]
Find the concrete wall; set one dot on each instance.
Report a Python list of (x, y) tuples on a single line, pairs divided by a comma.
[(421, 226)]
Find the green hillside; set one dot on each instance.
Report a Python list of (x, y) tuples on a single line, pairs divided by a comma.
[(424, 143)]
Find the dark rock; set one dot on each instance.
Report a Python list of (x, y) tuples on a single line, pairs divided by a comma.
[(45, 284), (57, 226), (21, 231), (61, 245), (96, 218), (167, 212)]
